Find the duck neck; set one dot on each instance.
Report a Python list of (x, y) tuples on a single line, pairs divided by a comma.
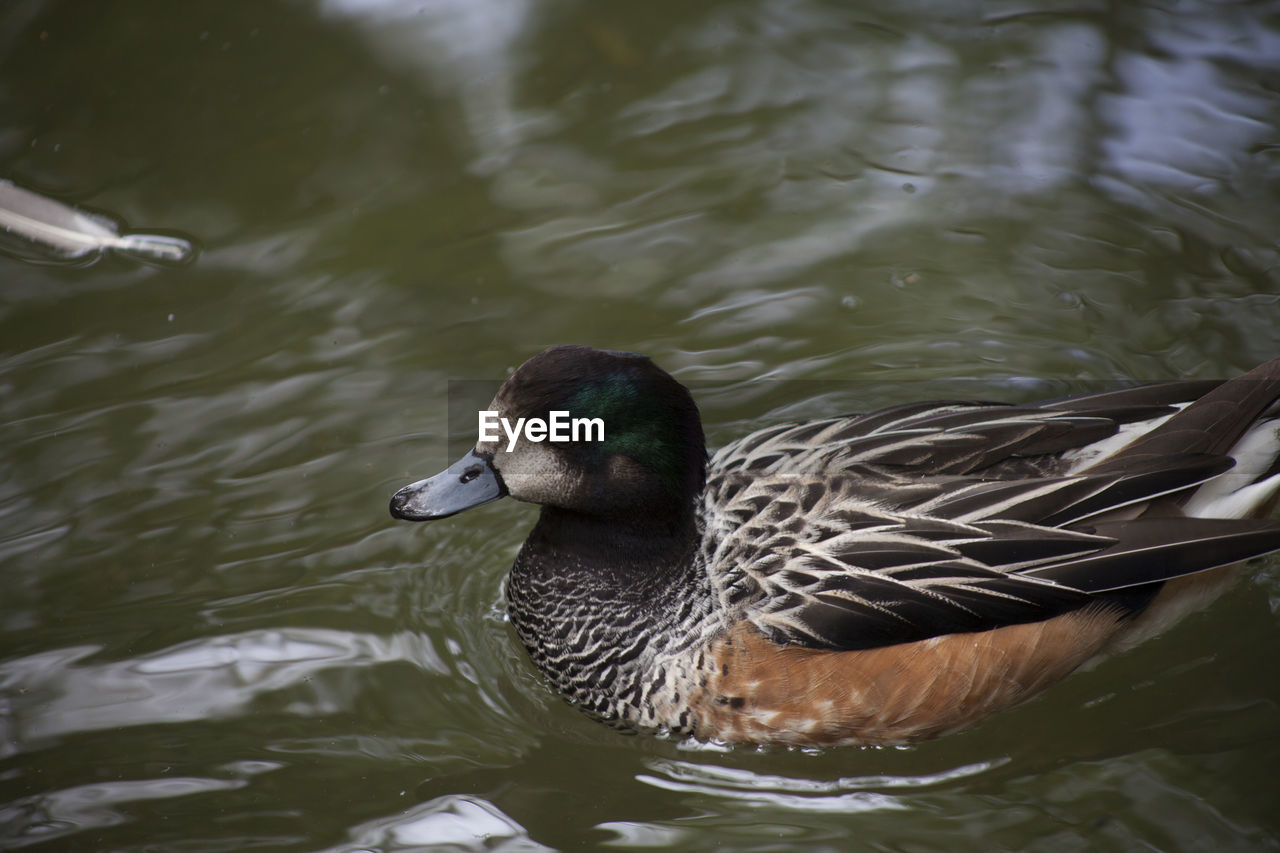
[(601, 602)]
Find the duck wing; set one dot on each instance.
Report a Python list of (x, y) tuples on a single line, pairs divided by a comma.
[(933, 519), (959, 437)]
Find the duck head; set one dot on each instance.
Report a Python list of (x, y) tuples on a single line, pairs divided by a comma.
[(584, 431)]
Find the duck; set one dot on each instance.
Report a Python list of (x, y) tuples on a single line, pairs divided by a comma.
[(869, 579)]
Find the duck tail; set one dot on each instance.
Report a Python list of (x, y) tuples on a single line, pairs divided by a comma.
[(1238, 420)]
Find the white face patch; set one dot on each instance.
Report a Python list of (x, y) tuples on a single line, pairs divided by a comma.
[(535, 472)]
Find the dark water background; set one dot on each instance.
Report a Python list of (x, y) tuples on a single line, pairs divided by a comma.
[(213, 637)]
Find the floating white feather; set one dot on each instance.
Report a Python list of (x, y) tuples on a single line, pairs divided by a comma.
[(73, 234)]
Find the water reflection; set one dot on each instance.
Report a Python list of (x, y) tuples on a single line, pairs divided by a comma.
[(469, 50), (452, 822), (53, 814), (56, 693), (844, 795), (843, 127)]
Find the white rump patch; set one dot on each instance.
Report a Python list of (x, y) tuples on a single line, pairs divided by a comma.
[(1234, 494), (1091, 454)]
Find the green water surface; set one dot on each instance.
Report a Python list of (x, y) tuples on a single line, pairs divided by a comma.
[(214, 637)]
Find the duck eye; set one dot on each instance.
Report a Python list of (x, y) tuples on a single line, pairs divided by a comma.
[(470, 473)]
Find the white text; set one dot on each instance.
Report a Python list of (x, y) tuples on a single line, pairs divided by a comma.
[(559, 427)]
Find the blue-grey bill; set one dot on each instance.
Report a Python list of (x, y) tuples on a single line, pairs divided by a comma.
[(467, 483)]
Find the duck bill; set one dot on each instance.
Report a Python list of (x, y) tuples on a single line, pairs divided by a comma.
[(467, 483)]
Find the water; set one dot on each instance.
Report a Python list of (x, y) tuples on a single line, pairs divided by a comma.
[(214, 637)]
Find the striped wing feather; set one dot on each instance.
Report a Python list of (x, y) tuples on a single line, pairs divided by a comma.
[(932, 519)]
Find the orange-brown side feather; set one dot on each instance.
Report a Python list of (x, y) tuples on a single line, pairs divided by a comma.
[(762, 692)]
